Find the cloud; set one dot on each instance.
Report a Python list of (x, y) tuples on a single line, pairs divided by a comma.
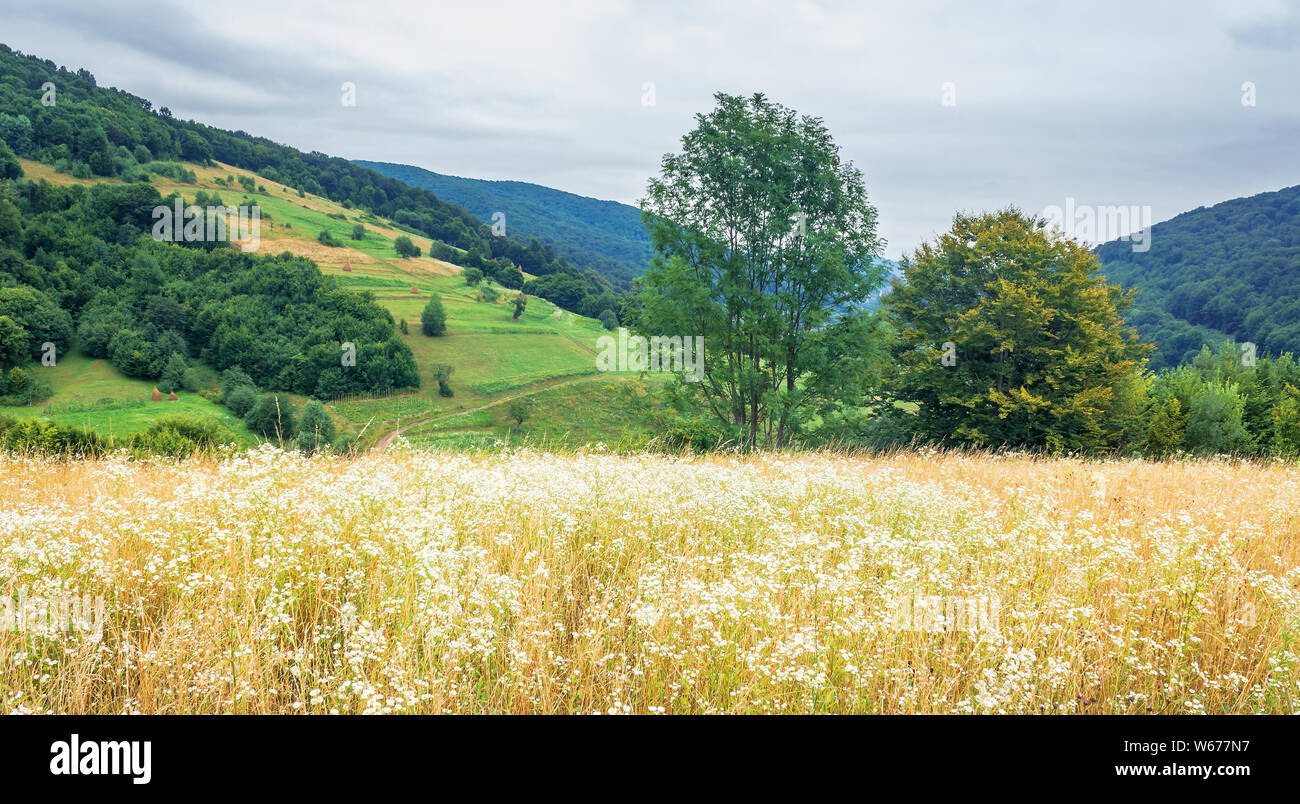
[(1108, 103)]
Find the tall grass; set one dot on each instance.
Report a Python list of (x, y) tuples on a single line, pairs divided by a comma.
[(530, 582)]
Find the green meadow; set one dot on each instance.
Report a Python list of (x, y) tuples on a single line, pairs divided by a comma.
[(547, 354)]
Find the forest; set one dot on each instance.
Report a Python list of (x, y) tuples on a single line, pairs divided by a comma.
[(88, 130), (1230, 270)]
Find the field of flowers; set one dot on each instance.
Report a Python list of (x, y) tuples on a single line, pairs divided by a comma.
[(592, 582)]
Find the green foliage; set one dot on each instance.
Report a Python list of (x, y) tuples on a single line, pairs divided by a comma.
[(15, 344), (760, 230), (442, 375), (608, 319), (173, 375), (603, 236), (358, 231), (433, 319), (473, 276), (487, 294), (328, 239), (316, 429), (180, 437), (273, 416), (17, 387), (521, 303), (241, 400), (1166, 423), (36, 436), (1215, 424), (519, 409), (1230, 270), (233, 379), (406, 247), (1008, 336), (696, 433)]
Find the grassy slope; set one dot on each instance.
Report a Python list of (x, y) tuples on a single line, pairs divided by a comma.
[(494, 357)]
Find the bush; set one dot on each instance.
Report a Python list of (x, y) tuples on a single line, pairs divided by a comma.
[(328, 239), (697, 433), (316, 430), (161, 441), (608, 319), (35, 436), (173, 375), (272, 416), (241, 400), (405, 247), (232, 379), (442, 373), (433, 319), (204, 433), (519, 409), (1214, 422), (473, 276)]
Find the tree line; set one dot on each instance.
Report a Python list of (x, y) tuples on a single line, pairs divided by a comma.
[(1001, 333)]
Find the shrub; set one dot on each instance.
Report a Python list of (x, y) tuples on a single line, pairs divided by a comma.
[(316, 429), (433, 319), (241, 400), (442, 373), (697, 433), (272, 416), (405, 247)]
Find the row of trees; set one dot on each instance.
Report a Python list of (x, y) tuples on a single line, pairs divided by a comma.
[(84, 254), (1000, 333), (113, 133)]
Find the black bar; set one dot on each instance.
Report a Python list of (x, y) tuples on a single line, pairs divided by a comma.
[(295, 754)]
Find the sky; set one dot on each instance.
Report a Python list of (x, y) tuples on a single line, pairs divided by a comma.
[(945, 106)]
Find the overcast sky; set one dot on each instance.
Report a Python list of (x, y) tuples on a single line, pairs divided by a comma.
[(1133, 103)]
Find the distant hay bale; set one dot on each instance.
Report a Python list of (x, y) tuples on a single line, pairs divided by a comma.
[(156, 395)]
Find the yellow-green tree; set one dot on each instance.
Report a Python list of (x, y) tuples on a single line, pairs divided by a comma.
[(1009, 336)]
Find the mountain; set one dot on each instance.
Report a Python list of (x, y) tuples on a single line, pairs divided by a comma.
[(605, 236), (1230, 270)]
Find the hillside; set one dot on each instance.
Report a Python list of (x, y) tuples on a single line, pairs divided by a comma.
[(1230, 270), (605, 236), (495, 358), (78, 183)]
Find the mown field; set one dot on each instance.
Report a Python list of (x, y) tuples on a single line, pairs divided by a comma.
[(594, 582)]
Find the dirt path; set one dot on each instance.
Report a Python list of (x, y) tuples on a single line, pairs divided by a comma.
[(387, 439)]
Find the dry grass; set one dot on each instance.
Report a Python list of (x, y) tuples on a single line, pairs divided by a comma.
[(526, 582)]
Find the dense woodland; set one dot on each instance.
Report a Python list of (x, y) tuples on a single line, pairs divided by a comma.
[(96, 131), (1232, 269), (605, 236)]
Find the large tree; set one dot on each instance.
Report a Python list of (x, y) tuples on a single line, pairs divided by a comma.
[(1009, 335), (760, 232)]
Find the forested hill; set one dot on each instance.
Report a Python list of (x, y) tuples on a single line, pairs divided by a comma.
[(605, 236), (1230, 270), (92, 131)]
